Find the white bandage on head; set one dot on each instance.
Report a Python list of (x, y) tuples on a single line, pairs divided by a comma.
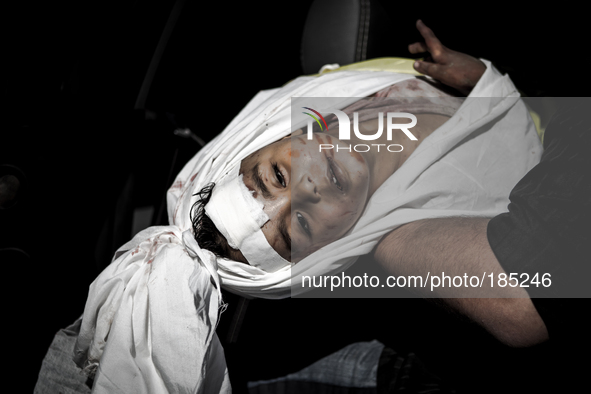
[(239, 217)]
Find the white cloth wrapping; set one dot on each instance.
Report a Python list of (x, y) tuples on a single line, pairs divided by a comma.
[(150, 316), (238, 216)]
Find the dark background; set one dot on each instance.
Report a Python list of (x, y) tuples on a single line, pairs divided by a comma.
[(72, 74)]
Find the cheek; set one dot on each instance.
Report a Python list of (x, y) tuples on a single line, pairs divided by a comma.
[(273, 208), (275, 241), (339, 217)]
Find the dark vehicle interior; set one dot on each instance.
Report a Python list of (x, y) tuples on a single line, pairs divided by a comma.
[(104, 103)]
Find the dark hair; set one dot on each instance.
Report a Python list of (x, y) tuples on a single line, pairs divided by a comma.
[(207, 235)]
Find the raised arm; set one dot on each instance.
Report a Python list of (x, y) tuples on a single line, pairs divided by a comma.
[(454, 69), (459, 246)]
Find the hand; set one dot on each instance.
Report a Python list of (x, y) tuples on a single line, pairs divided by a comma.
[(454, 69)]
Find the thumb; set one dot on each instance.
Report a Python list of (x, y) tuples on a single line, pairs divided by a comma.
[(428, 68)]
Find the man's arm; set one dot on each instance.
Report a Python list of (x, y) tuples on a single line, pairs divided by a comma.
[(455, 69), (459, 246)]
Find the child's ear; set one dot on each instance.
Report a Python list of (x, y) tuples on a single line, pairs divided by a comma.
[(294, 134)]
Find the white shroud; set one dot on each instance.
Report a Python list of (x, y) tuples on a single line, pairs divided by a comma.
[(150, 316)]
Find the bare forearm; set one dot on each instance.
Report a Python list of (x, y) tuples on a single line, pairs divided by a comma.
[(458, 247)]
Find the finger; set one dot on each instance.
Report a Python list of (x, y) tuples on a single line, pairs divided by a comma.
[(417, 47), (432, 42), (431, 69)]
